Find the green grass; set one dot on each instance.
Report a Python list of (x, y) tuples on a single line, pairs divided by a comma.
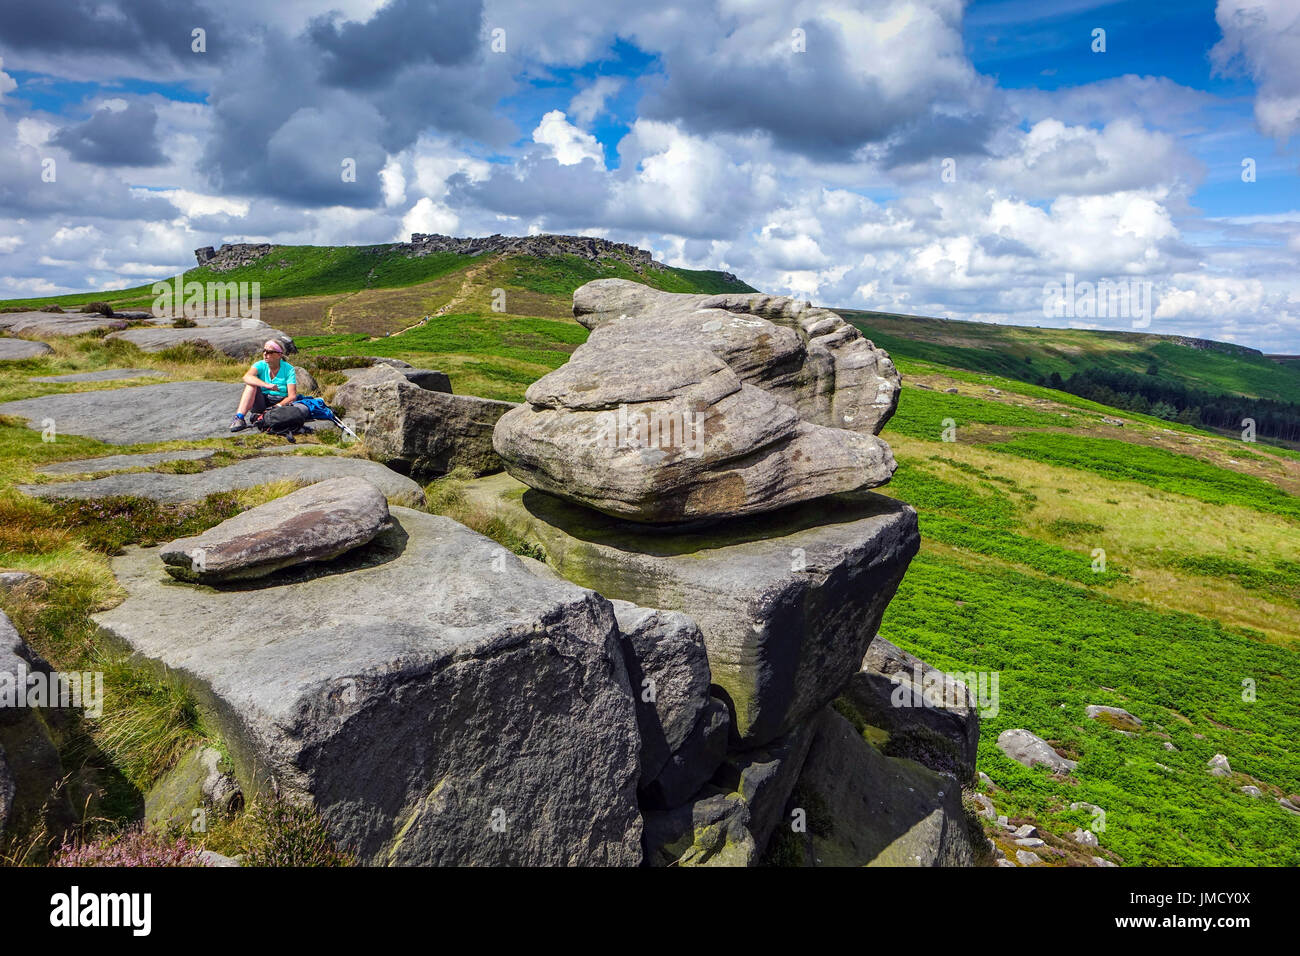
[(1155, 468), (1056, 648), (921, 414)]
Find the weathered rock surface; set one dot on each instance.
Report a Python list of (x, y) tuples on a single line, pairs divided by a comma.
[(710, 831), (1028, 749), (1117, 717), (31, 774), (787, 602), (431, 379), (809, 358), (490, 722), (196, 782), (90, 466), (104, 375), (693, 763), (238, 338), (173, 411), (668, 667), (316, 523), (22, 349), (421, 432), (248, 473), (684, 408), (901, 694), (877, 810), (48, 324), (1219, 766), (765, 777)]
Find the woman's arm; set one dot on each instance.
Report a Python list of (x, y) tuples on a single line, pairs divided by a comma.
[(250, 378), (291, 397)]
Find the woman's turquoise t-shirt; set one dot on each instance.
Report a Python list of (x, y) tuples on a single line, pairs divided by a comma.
[(282, 379)]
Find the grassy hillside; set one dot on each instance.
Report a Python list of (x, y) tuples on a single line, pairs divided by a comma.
[(1150, 565), (1029, 353)]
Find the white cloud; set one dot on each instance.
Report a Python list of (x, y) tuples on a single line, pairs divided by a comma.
[(590, 102), (427, 216), (7, 83), (568, 144), (1262, 38)]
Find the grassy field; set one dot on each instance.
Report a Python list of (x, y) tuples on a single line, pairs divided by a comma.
[(1087, 556)]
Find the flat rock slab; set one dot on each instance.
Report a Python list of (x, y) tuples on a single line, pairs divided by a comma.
[(173, 411), (317, 523), (248, 473), (787, 601), (236, 340), (90, 466), (58, 323), (22, 349), (103, 375), (436, 701)]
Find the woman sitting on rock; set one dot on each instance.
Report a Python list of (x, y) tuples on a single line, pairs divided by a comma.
[(272, 381)]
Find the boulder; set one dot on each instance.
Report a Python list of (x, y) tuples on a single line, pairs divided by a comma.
[(1028, 858), (710, 831), (1084, 837), (1025, 748), (1219, 766), (465, 712), (15, 580), (173, 411), (668, 667), (103, 375), (22, 349), (316, 523), (237, 338), (246, 473), (1252, 791), (670, 435), (196, 782), (808, 358), (866, 809), (47, 324), (787, 602), (906, 697), (91, 466), (306, 382), (1116, 717), (421, 432), (430, 379)]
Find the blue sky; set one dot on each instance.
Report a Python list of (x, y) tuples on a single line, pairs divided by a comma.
[(802, 145)]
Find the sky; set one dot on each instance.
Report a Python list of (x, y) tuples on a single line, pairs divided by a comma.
[(931, 157)]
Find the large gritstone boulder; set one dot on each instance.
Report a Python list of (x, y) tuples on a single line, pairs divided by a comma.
[(47, 324), (906, 697), (22, 349), (238, 338), (787, 602), (421, 432), (436, 701), (317, 523), (685, 408), (809, 358)]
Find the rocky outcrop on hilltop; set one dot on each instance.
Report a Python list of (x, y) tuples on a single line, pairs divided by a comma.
[(592, 248)]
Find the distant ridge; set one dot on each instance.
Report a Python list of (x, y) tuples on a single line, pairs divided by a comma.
[(237, 255)]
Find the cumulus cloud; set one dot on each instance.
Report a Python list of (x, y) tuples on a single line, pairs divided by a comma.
[(1262, 38), (590, 102), (7, 83), (119, 134), (567, 144)]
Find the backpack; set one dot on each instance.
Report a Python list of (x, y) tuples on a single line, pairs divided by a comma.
[(284, 419)]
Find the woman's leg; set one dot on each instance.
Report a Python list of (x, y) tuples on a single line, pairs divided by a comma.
[(246, 400)]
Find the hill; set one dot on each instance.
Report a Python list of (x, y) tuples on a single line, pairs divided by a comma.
[(1176, 378)]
